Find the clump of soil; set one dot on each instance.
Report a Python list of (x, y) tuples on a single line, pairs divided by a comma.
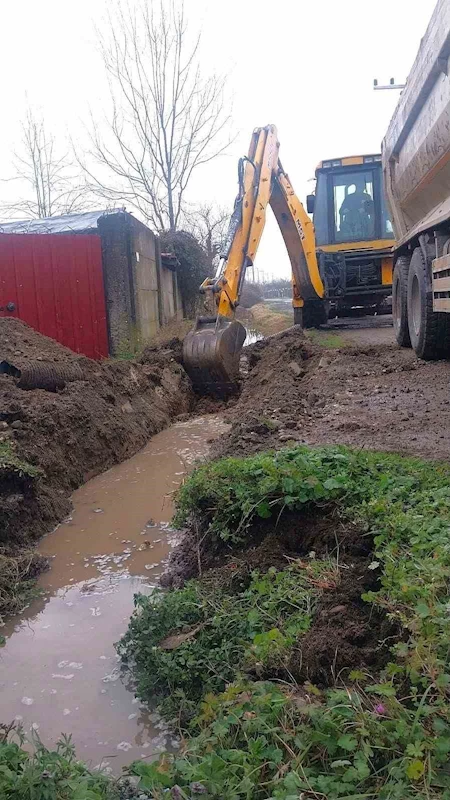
[(274, 394), (267, 544), (72, 434)]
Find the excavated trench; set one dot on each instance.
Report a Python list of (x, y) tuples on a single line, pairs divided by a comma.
[(58, 670)]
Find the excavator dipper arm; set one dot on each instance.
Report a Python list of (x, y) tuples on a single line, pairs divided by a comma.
[(211, 351), (297, 230)]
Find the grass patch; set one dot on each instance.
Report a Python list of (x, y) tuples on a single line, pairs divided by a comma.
[(385, 736), (329, 341), (175, 329), (10, 462), (269, 320), (259, 740), (222, 633)]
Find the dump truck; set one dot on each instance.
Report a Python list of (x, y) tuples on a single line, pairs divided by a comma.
[(416, 170)]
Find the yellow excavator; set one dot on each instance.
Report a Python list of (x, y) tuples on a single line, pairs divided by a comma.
[(211, 350)]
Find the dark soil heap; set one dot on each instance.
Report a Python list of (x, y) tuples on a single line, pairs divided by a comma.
[(72, 434)]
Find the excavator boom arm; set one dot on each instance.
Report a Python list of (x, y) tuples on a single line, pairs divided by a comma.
[(297, 230), (211, 351), (265, 182)]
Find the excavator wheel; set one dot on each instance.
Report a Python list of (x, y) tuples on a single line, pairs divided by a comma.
[(314, 313), (211, 354)]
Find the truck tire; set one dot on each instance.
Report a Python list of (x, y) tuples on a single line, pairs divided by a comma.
[(428, 330), (400, 301)]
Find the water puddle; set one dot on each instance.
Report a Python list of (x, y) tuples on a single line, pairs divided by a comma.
[(58, 670), (253, 335)]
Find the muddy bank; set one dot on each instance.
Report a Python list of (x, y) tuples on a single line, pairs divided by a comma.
[(371, 396), (72, 434), (346, 633)]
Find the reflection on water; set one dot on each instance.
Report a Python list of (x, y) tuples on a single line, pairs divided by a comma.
[(59, 671), (252, 336)]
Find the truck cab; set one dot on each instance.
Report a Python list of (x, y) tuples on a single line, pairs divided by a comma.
[(354, 235)]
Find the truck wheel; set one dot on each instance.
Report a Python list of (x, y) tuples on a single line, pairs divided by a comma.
[(400, 301), (429, 331)]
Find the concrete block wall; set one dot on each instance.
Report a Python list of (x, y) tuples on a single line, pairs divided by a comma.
[(141, 294), (170, 294)]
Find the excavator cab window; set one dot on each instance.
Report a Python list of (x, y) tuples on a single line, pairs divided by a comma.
[(354, 209), (349, 204)]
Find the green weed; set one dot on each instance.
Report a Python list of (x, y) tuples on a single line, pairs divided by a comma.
[(18, 575), (254, 629), (10, 462), (329, 341), (404, 502), (260, 741), (48, 774)]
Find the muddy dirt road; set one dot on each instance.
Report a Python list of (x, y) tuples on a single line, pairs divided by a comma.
[(346, 384), (364, 330)]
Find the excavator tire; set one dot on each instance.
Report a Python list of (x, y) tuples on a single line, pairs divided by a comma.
[(400, 301), (429, 331), (314, 313), (298, 316)]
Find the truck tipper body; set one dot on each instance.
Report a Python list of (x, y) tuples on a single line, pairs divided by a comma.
[(416, 170)]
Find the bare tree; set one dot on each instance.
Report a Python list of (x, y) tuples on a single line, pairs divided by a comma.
[(208, 223), (166, 120), (47, 175)]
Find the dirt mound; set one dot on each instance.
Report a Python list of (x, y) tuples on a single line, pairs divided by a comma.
[(72, 434), (373, 396), (21, 344), (346, 633), (274, 393)]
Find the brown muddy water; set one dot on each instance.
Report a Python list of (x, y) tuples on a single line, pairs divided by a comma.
[(59, 671)]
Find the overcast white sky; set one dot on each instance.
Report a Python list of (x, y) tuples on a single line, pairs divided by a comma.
[(306, 66)]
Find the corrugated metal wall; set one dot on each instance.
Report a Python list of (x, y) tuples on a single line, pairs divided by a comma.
[(55, 283)]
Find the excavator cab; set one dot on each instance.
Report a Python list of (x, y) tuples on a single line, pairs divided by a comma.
[(354, 235)]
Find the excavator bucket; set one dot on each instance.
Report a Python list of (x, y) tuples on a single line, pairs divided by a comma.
[(211, 355)]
